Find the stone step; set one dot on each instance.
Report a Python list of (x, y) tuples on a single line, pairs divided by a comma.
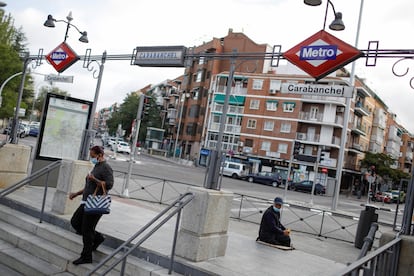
[(5, 270), (24, 262), (59, 246)]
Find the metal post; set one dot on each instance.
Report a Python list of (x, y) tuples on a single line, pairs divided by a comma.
[(15, 126), (179, 123), (125, 192), (292, 151), (89, 134), (5, 82), (215, 160), (346, 120), (316, 167)]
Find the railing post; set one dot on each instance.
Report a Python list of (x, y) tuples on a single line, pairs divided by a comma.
[(240, 207), (162, 191), (44, 197), (323, 218), (177, 223)]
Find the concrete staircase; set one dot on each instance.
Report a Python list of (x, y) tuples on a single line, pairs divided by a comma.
[(28, 247)]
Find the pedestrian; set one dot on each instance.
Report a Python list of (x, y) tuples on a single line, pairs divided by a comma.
[(271, 229), (85, 224)]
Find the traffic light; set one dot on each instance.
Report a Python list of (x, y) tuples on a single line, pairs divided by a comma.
[(324, 156), (296, 149)]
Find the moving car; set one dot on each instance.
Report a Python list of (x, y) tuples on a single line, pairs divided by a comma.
[(306, 186), (267, 178)]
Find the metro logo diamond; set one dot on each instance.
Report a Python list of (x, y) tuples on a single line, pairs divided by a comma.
[(62, 57), (321, 54)]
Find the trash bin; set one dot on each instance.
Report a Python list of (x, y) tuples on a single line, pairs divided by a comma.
[(367, 217)]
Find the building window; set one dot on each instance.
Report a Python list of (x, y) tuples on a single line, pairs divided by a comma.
[(257, 84), (251, 123), (254, 104), (248, 143), (288, 106), (269, 125), (282, 148), (201, 60), (271, 105), (266, 145), (199, 76), (285, 127), (275, 85)]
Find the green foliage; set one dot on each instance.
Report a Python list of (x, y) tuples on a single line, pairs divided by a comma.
[(383, 163), (40, 100), (11, 44), (127, 114)]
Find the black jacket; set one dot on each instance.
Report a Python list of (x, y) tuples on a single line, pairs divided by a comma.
[(101, 171), (270, 226)]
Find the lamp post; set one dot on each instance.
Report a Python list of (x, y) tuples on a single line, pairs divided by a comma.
[(50, 23), (347, 100)]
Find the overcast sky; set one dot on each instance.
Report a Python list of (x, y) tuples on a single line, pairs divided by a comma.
[(118, 26)]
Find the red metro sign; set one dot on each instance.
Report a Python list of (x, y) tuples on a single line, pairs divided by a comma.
[(321, 54), (62, 57)]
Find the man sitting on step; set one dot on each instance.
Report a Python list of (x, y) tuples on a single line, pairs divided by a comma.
[(271, 229)]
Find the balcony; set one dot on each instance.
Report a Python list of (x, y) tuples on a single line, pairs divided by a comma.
[(308, 116), (359, 129), (307, 138), (235, 129), (361, 110)]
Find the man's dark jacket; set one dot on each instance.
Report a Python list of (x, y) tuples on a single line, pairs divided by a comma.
[(270, 226)]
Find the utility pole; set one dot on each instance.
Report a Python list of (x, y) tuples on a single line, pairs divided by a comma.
[(125, 192)]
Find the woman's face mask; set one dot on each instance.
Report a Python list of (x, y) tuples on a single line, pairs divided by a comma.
[(94, 160)]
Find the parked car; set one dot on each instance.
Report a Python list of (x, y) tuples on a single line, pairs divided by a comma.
[(20, 133), (34, 131), (122, 147), (267, 178), (306, 186), (395, 196), (235, 170), (385, 197)]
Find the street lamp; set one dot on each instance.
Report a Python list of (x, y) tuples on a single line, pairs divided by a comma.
[(50, 22), (2, 4), (337, 24)]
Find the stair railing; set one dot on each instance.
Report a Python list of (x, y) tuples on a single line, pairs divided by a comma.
[(43, 171), (128, 248)]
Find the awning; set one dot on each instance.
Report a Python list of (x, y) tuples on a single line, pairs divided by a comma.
[(233, 100)]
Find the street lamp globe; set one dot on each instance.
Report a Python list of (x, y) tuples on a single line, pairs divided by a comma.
[(337, 24), (313, 2)]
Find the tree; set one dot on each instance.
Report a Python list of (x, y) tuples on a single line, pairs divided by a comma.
[(11, 44), (40, 100), (127, 114), (383, 163)]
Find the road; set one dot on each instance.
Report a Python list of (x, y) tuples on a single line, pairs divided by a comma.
[(154, 167)]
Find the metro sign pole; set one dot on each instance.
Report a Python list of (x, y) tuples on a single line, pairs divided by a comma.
[(320, 55)]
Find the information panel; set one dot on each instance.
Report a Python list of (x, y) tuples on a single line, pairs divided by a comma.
[(63, 123)]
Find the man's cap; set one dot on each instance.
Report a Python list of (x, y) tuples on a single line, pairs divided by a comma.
[(278, 200)]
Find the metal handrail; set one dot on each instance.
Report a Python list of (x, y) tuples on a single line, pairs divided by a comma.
[(129, 249), (45, 170), (370, 264)]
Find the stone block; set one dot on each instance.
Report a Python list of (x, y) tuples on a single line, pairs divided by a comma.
[(201, 248), (204, 225), (208, 212), (14, 164), (71, 178)]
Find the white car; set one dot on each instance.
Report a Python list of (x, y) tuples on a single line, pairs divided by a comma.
[(122, 147)]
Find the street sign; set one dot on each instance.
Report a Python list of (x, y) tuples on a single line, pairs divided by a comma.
[(62, 57), (317, 89), (322, 54), (58, 78), (160, 56)]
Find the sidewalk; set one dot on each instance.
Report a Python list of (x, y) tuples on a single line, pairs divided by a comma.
[(313, 255)]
